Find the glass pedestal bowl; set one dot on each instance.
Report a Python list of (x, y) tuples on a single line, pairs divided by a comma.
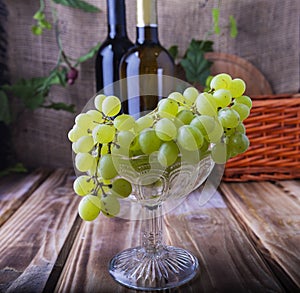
[(154, 265)]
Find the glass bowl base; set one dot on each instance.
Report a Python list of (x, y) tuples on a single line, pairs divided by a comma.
[(167, 267)]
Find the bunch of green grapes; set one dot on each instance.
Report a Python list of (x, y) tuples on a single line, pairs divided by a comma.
[(184, 127)]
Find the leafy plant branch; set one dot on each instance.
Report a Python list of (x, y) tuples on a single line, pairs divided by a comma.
[(34, 92), (193, 62)]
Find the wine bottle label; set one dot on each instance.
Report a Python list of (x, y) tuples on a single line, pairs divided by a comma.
[(146, 13)]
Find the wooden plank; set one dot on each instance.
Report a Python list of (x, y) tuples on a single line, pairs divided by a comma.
[(16, 188), (271, 218), (291, 187), (228, 260), (86, 269), (33, 237)]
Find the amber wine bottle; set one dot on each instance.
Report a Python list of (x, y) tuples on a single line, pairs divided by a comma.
[(148, 56), (113, 48)]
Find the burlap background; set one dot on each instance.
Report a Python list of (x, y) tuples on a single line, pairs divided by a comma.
[(268, 38)]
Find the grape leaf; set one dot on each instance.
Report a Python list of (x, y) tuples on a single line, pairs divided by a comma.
[(4, 108), (33, 92), (17, 168), (173, 50), (215, 15), (90, 54), (61, 106), (195, 65), (233, 27), (80, 4)]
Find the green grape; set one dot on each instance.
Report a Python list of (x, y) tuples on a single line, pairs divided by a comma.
[(190, 95), (244, 100), (111, 106), (177, 97), (104, 133), (229, 131), (206, 105), (84, 161), (204, 123), (237, 87), (242, 110), (92, 171), (208, 81), (121, 187), (125, 138), (191, 157), (184, 117), (98, 102), (124, 122), (189, 137), (221, 81), (182, 108), (241, 128), (74, 148), (83, 185), (238, 143), (165, 129), (96, 116), (72, 135), (205, 146), (168, 153), (167, 108), (219, 153), (76, 132), (106, 167), (222, 97), (89, 208), (110, 205), (148, 141), (229, 118), (117, 150), (217, 133), (209, 126), (84, 144), (135, 145), (104, 149), (84, 121), (143, 123)]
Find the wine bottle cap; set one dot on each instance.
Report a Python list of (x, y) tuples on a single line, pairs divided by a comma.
[(146, 13)]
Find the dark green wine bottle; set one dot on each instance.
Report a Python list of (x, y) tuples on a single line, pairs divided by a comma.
[(113, 48), (148, 56)]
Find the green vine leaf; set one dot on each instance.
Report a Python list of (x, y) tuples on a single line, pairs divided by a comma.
[(173, 50), (4, 108), (196, 67), (90, 54), (216, 16), (80, 4), (17, 168), (233, 27), (61, 106)]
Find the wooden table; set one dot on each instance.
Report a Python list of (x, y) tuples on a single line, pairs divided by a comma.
[(247, 237)]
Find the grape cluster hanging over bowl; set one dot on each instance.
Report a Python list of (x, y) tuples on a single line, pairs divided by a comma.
[(161, 156)]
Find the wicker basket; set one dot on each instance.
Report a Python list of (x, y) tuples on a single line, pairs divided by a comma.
[(273, 128)]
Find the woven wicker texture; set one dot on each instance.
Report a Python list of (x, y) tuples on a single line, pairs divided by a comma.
[(273, 128)]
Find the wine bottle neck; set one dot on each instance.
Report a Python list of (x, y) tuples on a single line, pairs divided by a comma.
[(147, 22), (147, 34), (116, 18)]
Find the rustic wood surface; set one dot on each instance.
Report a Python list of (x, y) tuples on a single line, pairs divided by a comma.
[(15, 190), (34, 235), (271, 218), (246, 238)]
